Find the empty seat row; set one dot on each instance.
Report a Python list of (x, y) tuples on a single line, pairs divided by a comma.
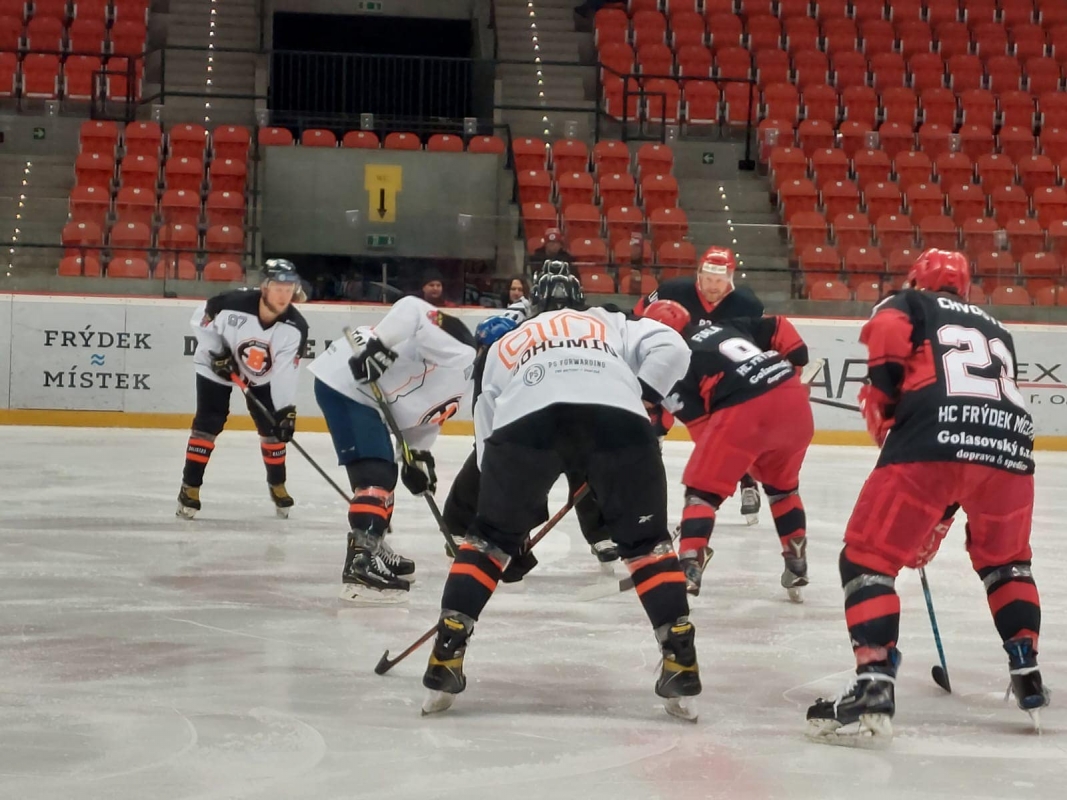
[(438, 142), (75, 10), (94, 204), (84, 78), (170, 268), (188, 140), (656, 191), (145, 173), (579, 221), (608, 156)]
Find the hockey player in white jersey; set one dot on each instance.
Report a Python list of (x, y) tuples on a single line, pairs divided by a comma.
[(259, 336), (421, 360), (570, 390)]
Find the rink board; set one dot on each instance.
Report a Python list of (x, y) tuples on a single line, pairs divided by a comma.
[(126, 362)]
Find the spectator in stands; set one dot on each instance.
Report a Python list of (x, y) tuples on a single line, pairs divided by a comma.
[(518, 288), (433, 289), (552, 250), (637, 251)]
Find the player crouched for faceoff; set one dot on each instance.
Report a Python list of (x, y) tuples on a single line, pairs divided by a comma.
[(953, 427), (747, 413), (259, 336), (420, 358), (569, 391), (710, 298)]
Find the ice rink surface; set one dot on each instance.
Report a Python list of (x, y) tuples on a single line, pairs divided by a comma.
[(146, 657)]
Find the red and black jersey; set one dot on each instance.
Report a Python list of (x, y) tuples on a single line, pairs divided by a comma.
[(741, 302), (734, 361), (948, 369)]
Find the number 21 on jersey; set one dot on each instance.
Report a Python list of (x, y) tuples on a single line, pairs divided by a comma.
[(973, 351)]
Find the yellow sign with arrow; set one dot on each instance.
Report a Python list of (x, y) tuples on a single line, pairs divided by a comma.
[(383, 183)]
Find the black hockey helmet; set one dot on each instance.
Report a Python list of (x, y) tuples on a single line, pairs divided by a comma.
[(281, 270), (553, 292)]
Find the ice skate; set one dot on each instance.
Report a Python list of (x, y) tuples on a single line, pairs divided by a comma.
[(188, 501), (281, 499), (795, 574), (606, 553), (403, 568), (862, 714), (1030, 693), (679, 678), (444, 677), (750, 504), (693, 563), (366, 578)]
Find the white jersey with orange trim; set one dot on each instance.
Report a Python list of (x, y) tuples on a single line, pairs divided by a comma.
[(430, 380), (264, 354), (591, 357)]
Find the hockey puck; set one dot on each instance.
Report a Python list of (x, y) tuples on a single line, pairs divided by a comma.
[(940, 678)]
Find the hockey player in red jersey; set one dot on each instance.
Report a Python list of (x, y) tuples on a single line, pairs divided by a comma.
[(709, 298), (747, 412), (943, 404)]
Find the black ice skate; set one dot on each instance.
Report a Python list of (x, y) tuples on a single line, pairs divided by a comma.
[(679, 677), (750, 504), (366, 577), (444, 676), (795, 575), (188, 501), (1030, 693), (868, 703), (281, 499), (693, 563), (605, 551), (399, 565)]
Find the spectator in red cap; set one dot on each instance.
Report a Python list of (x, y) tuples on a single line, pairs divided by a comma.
[(552, 250)]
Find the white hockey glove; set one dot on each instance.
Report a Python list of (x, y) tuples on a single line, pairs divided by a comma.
[(372, 358), (419, 475), (520, 311)]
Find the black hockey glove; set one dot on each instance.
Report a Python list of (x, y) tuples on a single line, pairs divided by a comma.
[(223, 364), (373, 359), (285, 423), (419, 476)]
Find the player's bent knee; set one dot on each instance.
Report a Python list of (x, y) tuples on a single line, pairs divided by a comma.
[(372, 472), (869, 560), (776, 495)]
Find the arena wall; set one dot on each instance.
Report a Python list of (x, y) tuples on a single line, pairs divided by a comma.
[(126, 362)]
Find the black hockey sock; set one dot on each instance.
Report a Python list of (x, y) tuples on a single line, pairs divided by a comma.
[(1013, 600), (471, 581), (371, 509), (660, 585), (274, 460), (698, 519), (872, 611), (790, 521), (197, 453)]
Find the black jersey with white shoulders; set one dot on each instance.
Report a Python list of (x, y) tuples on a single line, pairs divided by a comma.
[(265, 354)]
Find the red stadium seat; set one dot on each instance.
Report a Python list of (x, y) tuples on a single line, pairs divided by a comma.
[(136, 205), (221, 269), (575, 187), (871, 166), (82, 239), (952, 170), (274, 137), (180, 206), (537, 218), (940, 232), (317, 137), (127, 267), (894, 232), (188, 141), (1010, 296), (444, 143), (224, 239), (851, 230), (89, 266), (225, 208), (90, 204), (94, 169), (399, 140), (617, 190), (807, 229), (966, 201), (129, 239), (98, 136), (231, 141), (184, 173), (492, 145), (360, 140), (881, 199), (227, 174)]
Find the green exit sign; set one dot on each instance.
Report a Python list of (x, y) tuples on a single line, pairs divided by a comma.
[(707, 158), (378, 241), (38, 133), (369, 5)]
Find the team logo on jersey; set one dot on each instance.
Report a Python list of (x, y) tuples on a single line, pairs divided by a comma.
[(256, 357), (434, 317), (561, 327), (439, 414)]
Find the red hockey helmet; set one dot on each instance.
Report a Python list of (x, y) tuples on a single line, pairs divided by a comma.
[(718, 261), (941, 270), (670, 313)]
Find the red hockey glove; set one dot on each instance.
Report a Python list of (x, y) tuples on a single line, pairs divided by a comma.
[(873, 405)]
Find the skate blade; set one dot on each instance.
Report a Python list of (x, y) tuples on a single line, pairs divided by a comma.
[(1035, 718), (184, 512), (435, 702), (795, 594), (360, 595), (873, 731), (408, 579), (682, 708), (283, 513), (751, 519)]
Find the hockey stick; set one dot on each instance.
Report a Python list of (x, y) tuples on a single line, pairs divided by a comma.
[(239, 382), (835, 404), (385, 663), (390, 421), (938, 672)]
